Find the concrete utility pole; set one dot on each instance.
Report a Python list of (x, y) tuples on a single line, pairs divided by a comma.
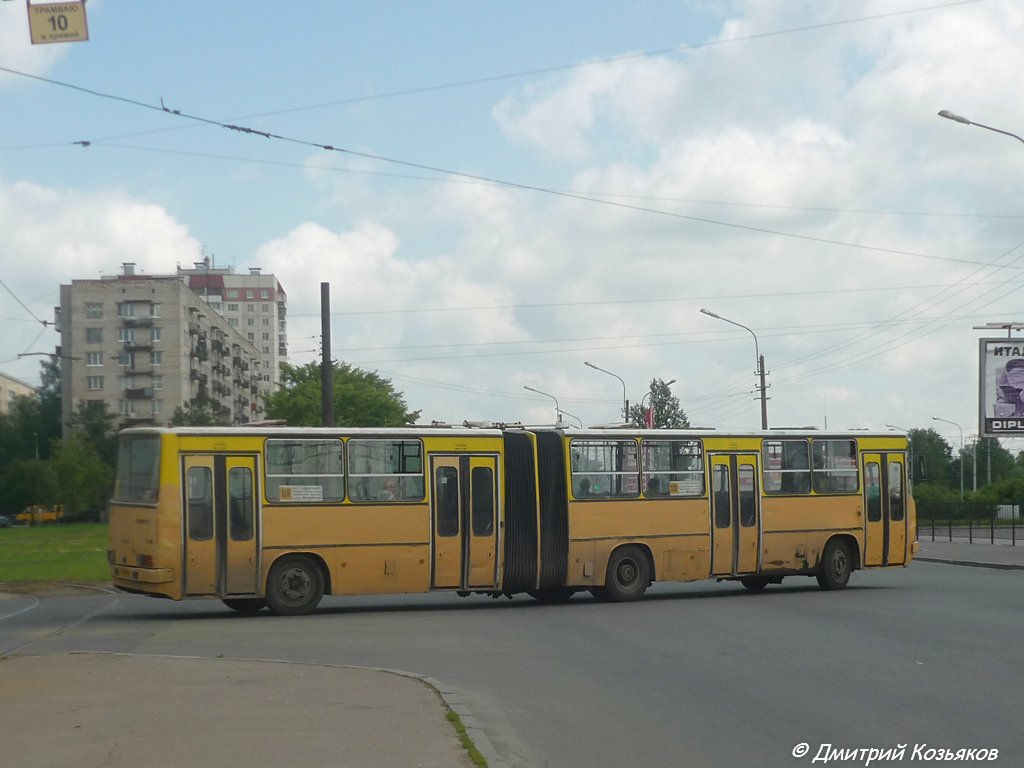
[(326, 364)]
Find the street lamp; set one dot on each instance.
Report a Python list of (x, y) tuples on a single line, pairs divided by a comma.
[(936, 418), (650, 392), (625, 402), (573, 416), (558, 412), (759, 359), (960, 119)]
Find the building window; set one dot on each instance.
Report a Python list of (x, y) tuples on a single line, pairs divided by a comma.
[(154, 334), (251, 321), (126, 407), (264, 307), (266, 321), (158, 382), (232, 293), (251, 336), (93, 310), (266, 337), (250, 307), (156, 358), (233, 307), (233, 322), (126, 309), (250, 293), (94, 358), (154, 407), (154, 310), (93, 335), (94, 383), (126, 335)]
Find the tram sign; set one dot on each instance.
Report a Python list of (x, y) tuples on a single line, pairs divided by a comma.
[(58, 22)]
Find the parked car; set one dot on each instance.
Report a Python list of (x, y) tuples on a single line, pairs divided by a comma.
[(5, 521)]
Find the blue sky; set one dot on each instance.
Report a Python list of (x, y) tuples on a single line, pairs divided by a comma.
[(780, 162)]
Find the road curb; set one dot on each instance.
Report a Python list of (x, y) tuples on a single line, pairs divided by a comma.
[(970, 563)]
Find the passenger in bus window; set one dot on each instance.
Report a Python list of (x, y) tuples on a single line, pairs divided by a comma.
[(654, 487), (584, 490), (390, 490)]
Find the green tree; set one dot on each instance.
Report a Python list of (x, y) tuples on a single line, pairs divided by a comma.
[(361, 398), (84, 479), (664, 406), (99, 428), (933, 459), (25, 482), (201, 412), (49, 427)]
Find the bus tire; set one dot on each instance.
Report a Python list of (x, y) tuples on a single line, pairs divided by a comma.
[(754, 583), (245, 604), (628, 575), (295, 586), (552, 594), (836, 566)]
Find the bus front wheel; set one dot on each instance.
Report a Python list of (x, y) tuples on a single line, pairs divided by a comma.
[(836, 566), (628, 575), (295, 586)]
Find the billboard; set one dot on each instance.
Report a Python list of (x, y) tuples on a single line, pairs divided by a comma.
[(1001, 387)]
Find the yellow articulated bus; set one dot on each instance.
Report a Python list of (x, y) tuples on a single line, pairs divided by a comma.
[(280, 516)]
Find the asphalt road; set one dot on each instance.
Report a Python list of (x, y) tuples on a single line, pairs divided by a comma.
[(693, 675)]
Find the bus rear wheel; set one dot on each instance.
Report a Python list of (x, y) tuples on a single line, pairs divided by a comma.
[(754, 583), (836, 566), (245, 604), (628, 575), (295, 586)]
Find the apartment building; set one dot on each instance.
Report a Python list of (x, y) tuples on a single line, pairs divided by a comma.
[(146, 345), (11, 388), (254, 304)]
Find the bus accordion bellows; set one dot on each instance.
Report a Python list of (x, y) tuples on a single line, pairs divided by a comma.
[(279, 516)]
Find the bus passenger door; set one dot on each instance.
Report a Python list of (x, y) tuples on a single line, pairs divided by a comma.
[(465, 527), (735, 514), (885, 506), (221, 546)]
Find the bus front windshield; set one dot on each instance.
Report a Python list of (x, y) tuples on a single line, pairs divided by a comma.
[(138, 469)]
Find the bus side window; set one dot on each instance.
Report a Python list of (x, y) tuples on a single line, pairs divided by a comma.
[(200, 503), (240, 504), (873, 491)]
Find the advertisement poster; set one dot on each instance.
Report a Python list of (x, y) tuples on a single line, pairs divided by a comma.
[(1002, 386)]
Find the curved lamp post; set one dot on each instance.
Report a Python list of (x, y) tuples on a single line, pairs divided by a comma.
[(558, 411), (947, 421), (625, 402), (961, 119), (759, 358)]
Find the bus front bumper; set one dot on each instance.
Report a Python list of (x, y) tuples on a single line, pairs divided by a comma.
[(144, 575)]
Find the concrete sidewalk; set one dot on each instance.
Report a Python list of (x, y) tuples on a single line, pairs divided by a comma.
[(127, 711), (1003, 556)]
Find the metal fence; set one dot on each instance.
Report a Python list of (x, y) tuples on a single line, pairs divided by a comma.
[(970, 522)]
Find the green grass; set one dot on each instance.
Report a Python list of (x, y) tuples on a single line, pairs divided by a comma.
[(65, 553), (479, 761)]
